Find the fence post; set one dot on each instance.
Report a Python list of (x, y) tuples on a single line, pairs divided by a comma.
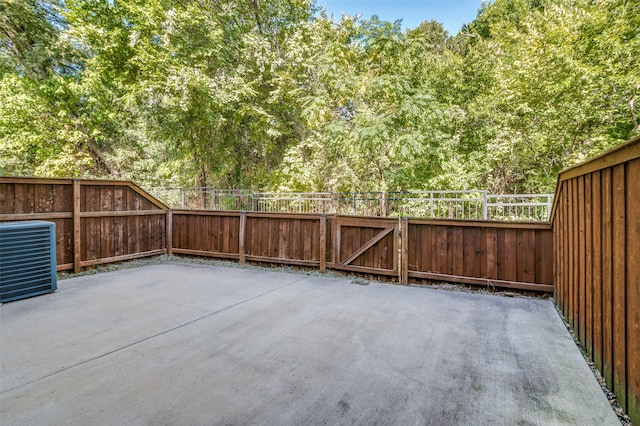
[(383, 204), (77, 233), (323, 243), (169, 232), (404, 252), (484, 205), (243, 227), (182, 191)]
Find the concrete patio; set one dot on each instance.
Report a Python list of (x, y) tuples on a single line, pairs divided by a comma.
[(188, 344)]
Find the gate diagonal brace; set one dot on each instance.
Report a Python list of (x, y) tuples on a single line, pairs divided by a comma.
[(367, 246)]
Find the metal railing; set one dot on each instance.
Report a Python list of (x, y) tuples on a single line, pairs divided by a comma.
[(476, 204)]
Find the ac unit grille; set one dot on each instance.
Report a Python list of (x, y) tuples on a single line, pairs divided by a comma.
[(27, 259)]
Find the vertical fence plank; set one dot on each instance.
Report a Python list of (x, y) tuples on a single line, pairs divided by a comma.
[(619, 283), (529, 256), (596, 206), (467, 252), (581, 284), (457, 251), (509, 255), (565, 251), (633, 289), (323, 243), (241, 238), (442, 242), (106, 238), (169, 231), (77, 235), (307, 246), (404, 244), (234, 234), (575, 309), (296, 238), (118, 226), (558, 231), (607, 278), (588, 277), (426, 251), (395, 248), (492, 253)]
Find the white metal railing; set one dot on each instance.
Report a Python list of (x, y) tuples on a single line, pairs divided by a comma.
[(475, 204)]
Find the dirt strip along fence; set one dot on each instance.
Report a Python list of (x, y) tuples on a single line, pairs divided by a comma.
[(596, 220), (97, 221)]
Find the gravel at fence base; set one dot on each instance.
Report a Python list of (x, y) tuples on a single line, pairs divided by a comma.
[(195, 344)]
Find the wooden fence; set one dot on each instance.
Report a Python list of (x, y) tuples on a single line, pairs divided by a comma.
[(96, 221), (504, 255), (596, 220), (108, 221), (497, 254)]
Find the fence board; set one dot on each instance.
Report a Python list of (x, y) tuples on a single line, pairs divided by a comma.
[(619, 283), (581, 283), (588, 277), (597, 269), (607, 277), (633, 291)]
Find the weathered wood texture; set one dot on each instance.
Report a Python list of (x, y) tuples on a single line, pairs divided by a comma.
[(596, 223), (504, 255), (96, 221)]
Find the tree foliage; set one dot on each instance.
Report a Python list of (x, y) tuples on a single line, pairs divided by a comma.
[(277, 95)]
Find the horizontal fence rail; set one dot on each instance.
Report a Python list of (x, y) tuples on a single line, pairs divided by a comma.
[(475, 205)]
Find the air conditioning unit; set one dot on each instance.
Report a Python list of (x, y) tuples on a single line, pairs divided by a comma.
[(27, 259)]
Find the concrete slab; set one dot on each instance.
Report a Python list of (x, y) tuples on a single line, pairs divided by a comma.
[(185, 344)]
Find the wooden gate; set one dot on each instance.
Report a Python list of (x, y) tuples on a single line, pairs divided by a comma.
[(366, 245)]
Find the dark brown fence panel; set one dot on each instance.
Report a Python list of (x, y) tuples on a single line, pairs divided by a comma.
[(507, 255), (206, 233), (303, 240), (596, 221), (96, 221), (366, 245), (285, 238)]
